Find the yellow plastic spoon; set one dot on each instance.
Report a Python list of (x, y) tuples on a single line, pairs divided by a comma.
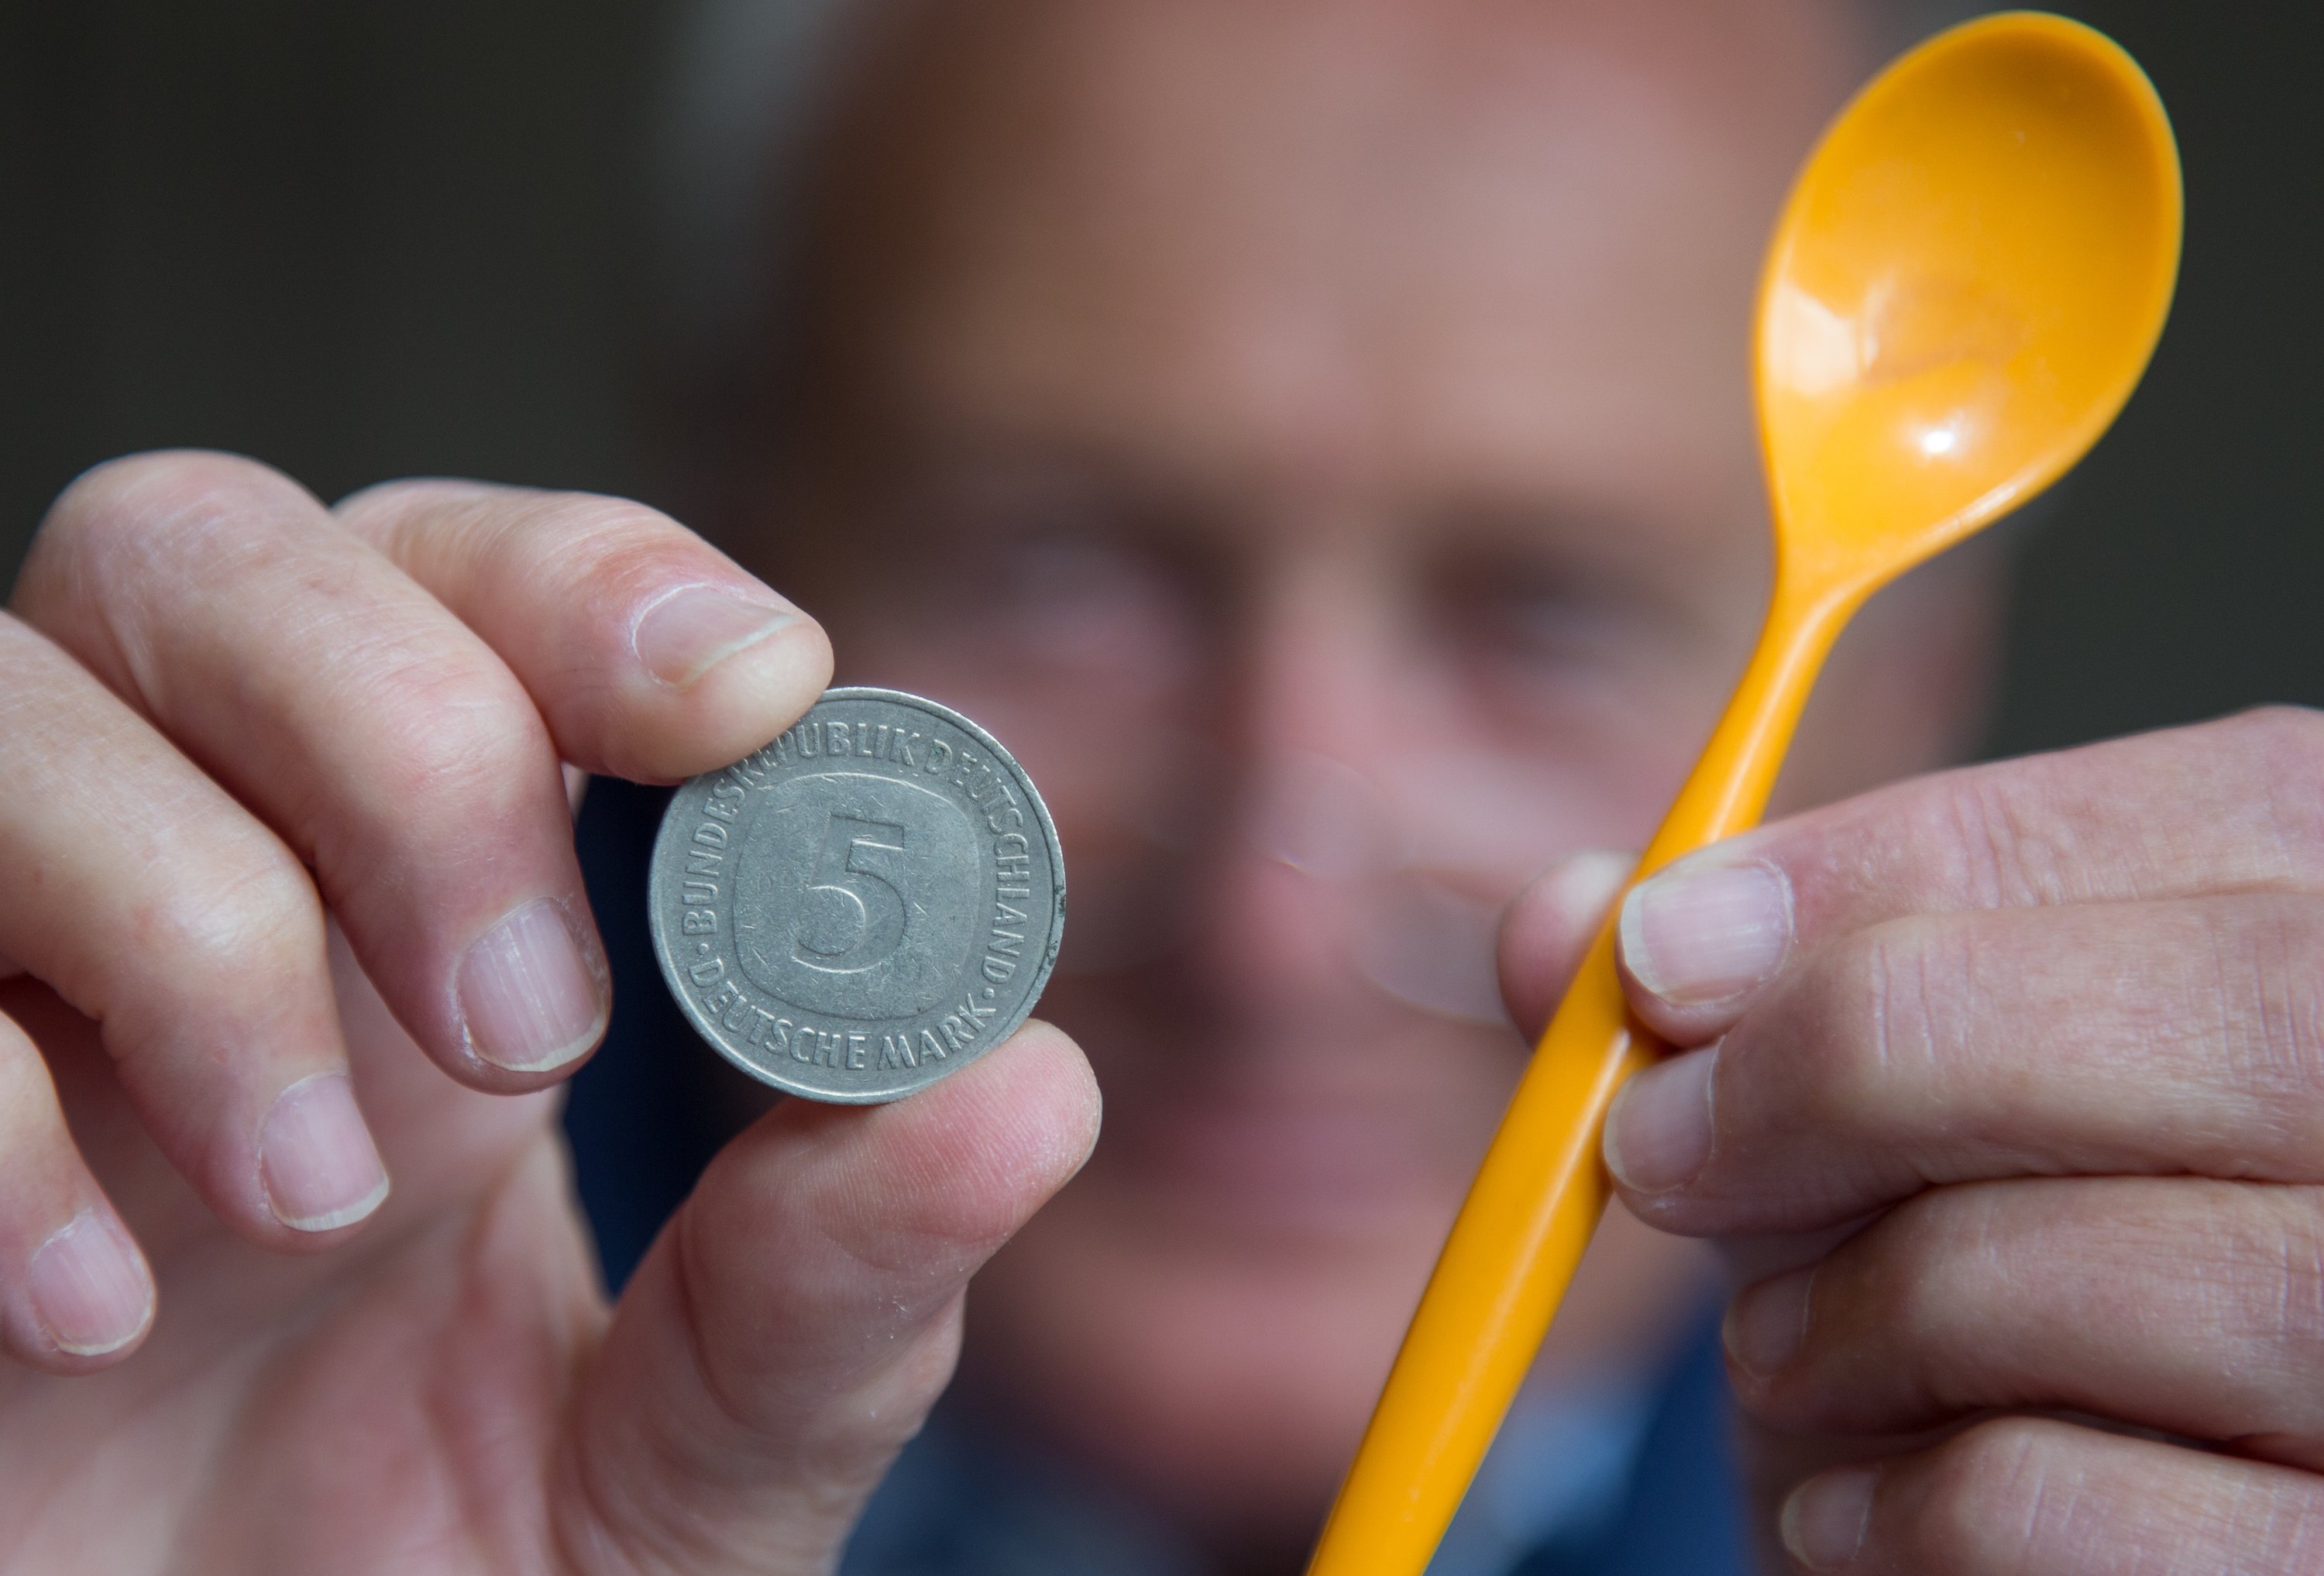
[(1963, 287)]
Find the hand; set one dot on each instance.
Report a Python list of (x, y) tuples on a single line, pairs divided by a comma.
[(288, 907), (2036, 1050)]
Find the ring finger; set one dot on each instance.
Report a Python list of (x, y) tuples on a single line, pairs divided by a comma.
[(75, 1293), (2015, 1296), (154, 904)]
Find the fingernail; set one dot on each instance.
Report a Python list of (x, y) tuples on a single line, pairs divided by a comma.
[(691, 631), (1698, 934), (1658, 1134), (316, 1156), (1824, 1520), (89, 1288), (530, 997), (1765, 1326)]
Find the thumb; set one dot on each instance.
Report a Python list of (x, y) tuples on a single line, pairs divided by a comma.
[(795, 1321), (1548, 926)]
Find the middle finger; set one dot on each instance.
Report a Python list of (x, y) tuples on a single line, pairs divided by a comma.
[(2109, 1038), (379, 737)]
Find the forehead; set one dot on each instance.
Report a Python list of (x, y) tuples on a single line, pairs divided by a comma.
[(1369, 240)]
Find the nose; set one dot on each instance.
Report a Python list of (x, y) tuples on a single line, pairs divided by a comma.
[(1304, 708)]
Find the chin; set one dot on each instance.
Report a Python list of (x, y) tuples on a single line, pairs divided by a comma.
[(1343, 1129), (1345, 1179), (1222, 1378), (1207, 1312)]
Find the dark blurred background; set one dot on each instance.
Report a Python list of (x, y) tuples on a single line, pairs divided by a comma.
[(360, 239)]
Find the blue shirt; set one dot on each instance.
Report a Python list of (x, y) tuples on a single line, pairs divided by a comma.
[(1602, 1485)]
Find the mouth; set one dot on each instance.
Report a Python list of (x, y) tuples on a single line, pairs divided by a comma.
[(1295, 1162)]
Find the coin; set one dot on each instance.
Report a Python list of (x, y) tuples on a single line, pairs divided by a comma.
[(863, 906)]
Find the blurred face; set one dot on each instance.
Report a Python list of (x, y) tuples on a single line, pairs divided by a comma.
[(1313, 438)]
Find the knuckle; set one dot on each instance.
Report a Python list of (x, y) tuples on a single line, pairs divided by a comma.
[(2001, 833), (129, 526), (2268, 1269), (938, 1235), (2264, 765), (236, 922), (599, 522), (1919, 1285), (142, 496), (2245, 1264), (425, 524), (1918, 1255), (613, 550), (2263, 956), (1992, 1496), (594, 552), (28, 1113), (1866, 1016), (2025, 1494), (2290, 735), (383, 503), (455, 732)]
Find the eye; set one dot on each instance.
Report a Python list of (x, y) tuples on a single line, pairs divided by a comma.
[(1530, 615), (1074, 576), (1107, 607), (1055, 568)]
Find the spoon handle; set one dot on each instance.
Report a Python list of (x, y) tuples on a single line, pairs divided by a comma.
[(1541, 1190)]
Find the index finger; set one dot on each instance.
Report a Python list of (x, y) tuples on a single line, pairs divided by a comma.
[(2226, 807), (652, 654)]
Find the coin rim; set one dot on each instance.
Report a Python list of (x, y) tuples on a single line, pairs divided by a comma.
[(655, 886)]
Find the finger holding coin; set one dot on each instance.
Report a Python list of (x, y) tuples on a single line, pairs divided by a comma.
[(860, 906)]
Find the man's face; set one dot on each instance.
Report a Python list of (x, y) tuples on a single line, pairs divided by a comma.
[(1313, 438)]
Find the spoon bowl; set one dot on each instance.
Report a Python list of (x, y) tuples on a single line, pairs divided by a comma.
[(1963, 289), (1966, 283)]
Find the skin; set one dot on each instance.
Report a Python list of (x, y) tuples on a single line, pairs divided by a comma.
[(1408, 525)]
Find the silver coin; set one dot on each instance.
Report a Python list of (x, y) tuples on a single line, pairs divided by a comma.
[(863, 906)]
